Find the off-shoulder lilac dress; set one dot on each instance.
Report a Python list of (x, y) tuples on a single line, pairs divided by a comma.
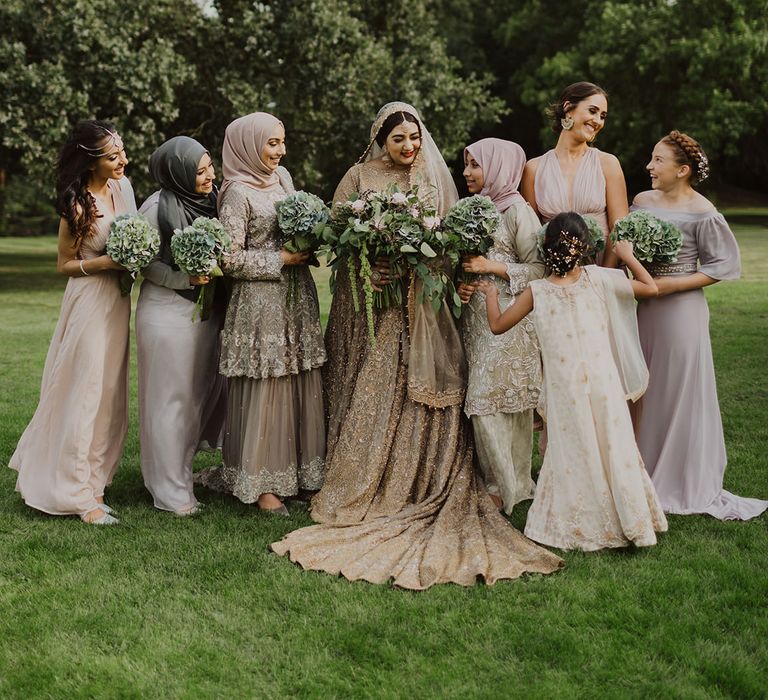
[(680, 432)]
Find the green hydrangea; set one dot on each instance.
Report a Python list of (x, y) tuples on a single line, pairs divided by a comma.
[(133, 242), (197, 248), (653, 240), (301, 217), (470, 225)]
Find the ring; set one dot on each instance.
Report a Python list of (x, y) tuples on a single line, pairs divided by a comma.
[(376, 277)]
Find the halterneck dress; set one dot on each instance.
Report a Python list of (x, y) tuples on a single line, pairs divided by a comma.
[(72, 446), (593, 490), (587, 197), (401, 499), (680, 431), (504, 379)]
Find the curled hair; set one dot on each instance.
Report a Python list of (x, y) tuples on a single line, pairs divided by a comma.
[(391, 122), (73, 200), (566, 241), (572, 95), (688, 152)]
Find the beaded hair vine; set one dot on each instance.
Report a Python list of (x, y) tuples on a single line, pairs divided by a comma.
[(702, 167), (562, 262), (112, 142)]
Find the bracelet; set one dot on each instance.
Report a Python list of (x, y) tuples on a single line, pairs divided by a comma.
[(82, 269)]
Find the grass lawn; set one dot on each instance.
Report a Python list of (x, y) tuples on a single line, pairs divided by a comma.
[(169, 607)]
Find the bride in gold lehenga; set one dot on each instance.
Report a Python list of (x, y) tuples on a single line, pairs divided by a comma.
[(401, 498)]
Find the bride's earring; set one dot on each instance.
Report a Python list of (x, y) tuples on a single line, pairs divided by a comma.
[(566, 123)]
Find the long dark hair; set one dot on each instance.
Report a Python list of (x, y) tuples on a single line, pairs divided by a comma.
[(73, 200), (391, 122)]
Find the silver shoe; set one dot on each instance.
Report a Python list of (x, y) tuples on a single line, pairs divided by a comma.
[(281, 511), (105, 519)]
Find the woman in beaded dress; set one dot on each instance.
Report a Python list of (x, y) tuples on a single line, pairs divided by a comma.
[(272, 348), (401, 499), (504, 370), (680, 431), (182, 396), (71, 448), (573, 176)]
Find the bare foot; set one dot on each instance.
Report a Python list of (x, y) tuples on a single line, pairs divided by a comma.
[(268, 501), (93, 515), (497, 501)]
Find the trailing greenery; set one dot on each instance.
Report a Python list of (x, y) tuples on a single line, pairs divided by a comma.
[(168, 607)]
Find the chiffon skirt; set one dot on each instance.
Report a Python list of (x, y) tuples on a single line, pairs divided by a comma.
[(680, 432), (275, 437), (182, 396), (71, 448)]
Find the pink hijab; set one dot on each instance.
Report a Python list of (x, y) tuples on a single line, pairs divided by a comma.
[(244, 140), (502, 163)]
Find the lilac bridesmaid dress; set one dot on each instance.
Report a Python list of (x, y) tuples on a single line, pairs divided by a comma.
[(680, 432)]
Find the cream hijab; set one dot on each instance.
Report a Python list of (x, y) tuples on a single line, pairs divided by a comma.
[(502, 163), (244, 141)]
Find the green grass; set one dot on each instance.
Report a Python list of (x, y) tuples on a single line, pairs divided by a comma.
[(169, 607)]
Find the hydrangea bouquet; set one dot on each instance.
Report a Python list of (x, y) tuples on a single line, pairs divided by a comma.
[(653, 240), (133, 242), (394, 225), (469, 227), (197, 250), (302, 218)]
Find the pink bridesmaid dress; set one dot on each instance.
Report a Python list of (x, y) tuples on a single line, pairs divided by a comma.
[(71, 448)]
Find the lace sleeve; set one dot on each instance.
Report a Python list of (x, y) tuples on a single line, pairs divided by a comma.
[(242, 262), (529, 266), (349, 183)]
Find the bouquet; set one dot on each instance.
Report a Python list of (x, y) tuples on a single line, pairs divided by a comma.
[(133, 243), (197, 250), (394, 225), (653, 240), (302, 218), (469, 226)]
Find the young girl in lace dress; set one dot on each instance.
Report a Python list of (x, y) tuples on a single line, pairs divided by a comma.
[(593, 490)]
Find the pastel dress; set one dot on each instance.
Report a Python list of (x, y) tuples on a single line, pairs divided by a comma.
[(272, 352), (680, 431), (504, 379), (401, 500), (182, 396), (71, 448), (588, 192), (593, 490)]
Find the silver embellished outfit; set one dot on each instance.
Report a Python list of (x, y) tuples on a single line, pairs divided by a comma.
[(272, 349), (505, 370)]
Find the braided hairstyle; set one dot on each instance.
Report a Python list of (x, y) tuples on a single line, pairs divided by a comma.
[(73, 171), (688, 152), (566, 241), (572, 95)]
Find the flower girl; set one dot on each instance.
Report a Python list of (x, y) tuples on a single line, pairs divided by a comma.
[(593, 490)]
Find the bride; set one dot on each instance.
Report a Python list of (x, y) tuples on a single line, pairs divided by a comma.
[(401, 499)]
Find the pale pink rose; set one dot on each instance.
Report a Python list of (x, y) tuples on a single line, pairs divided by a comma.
[(358, 206), (431, 222), (398, 198), (414, 212)]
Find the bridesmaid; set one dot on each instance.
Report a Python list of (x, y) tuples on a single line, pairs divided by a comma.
[(680, 432), (71, 448), (573, 176), (182, 396), (272, 349), (504, 371)]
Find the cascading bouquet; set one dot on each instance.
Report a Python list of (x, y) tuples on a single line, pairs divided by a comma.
[(598, 240), (394, 225), (133, 243), (197, 250), (469, 227), (653, 240), (302, 218)]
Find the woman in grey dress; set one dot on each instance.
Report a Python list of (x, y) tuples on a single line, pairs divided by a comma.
[(272, 344), (182, 396), (504, 370), (680, 432)]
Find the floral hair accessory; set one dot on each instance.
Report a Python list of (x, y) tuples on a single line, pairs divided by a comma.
[(571, 249), (702, 168)]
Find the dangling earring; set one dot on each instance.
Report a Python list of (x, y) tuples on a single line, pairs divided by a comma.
[(566, 123)]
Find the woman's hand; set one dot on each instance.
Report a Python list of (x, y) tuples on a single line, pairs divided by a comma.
[(196, 280), (381, 274), (106, 263), (465, 291), (487, 288), (294, 258), (477, 264)]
